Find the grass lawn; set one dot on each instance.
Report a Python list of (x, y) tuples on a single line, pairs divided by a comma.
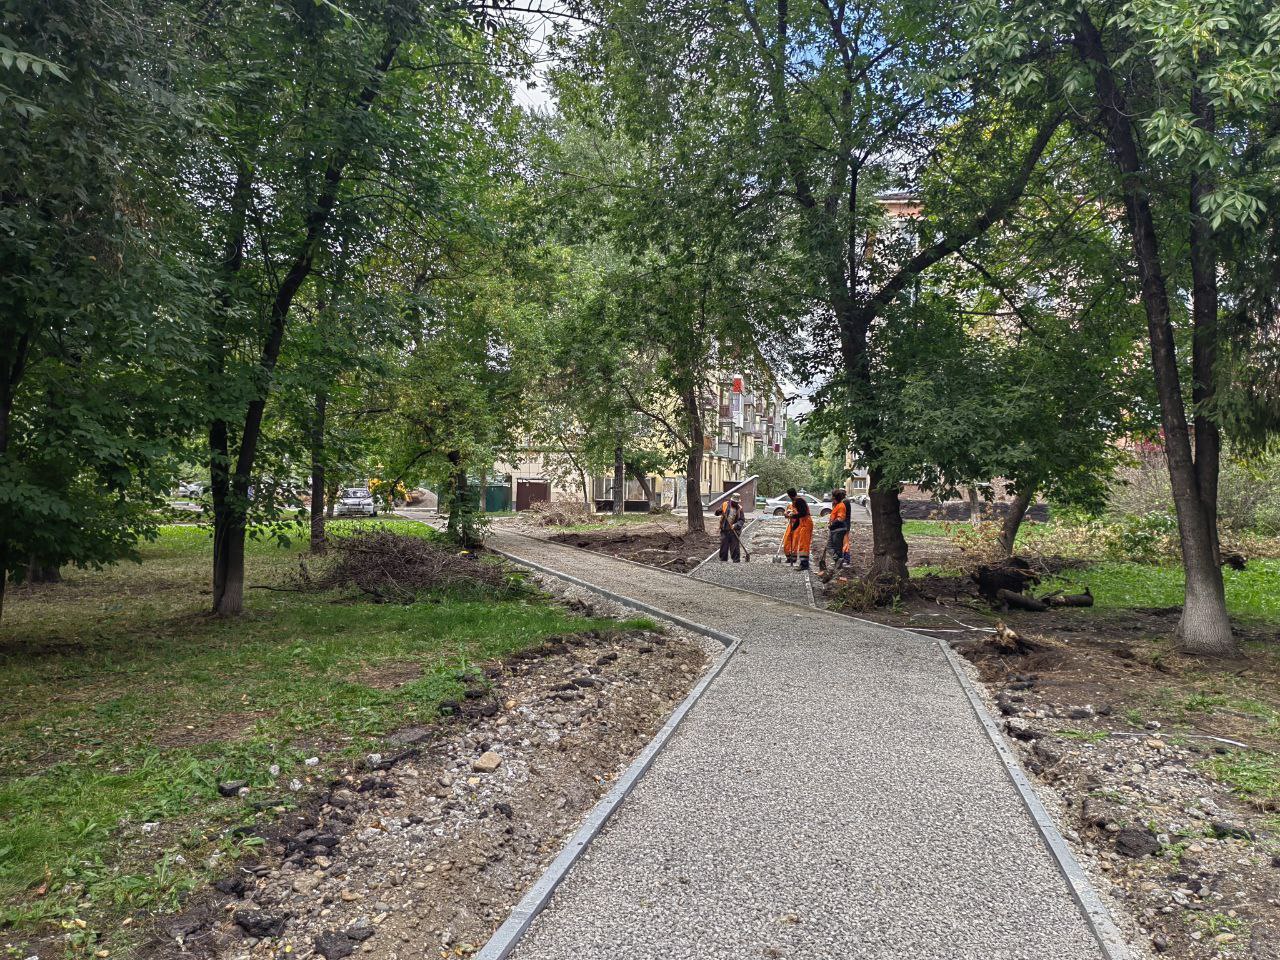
[(928, 528), (123, 705), (1252, 593)]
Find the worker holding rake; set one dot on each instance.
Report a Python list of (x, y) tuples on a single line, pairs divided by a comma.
[(732, 520), (789, 534)]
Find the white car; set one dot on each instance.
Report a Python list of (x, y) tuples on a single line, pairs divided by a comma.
[(355, 502), (778, 505), (191, 488)]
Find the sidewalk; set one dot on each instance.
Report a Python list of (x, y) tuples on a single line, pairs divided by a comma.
[(782, 581), (832, 795)]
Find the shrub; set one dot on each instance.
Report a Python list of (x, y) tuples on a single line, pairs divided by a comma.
[(1147, 538)]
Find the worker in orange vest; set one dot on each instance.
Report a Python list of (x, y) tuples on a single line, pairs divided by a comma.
[(837, 530), (787, 534), (801, 528)]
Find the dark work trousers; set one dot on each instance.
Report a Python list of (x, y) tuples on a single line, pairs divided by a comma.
[(730, 546)]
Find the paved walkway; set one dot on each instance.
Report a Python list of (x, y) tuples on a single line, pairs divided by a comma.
[(782, 581), (832, 795)]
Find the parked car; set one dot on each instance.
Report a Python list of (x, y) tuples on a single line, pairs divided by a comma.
[(191, 488), (778, 505), (355, 501)]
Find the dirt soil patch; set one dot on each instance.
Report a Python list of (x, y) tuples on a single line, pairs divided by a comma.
[(1130, 739), (230, 726), (679, 552), (422, 850), (925, 551), (390, 675)]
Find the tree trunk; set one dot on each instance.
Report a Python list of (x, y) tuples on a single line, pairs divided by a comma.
[(331, 497), (317, 474), (619, 481), (10, 376), (1013, 522), (229, 528), (1204, 342), (693, 465), (1205, 627), (975, 507), (645, 485), (889, 546), (460, 527), (39, 571)]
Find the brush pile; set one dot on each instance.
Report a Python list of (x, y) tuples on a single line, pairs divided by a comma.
[(561, 513), (392, 567)]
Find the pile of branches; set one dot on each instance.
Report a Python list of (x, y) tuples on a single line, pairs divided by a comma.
[(396, 568), (561, 513), (863, 594)]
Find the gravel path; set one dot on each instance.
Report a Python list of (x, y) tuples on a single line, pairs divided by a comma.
[(832, 795), (778, 580)]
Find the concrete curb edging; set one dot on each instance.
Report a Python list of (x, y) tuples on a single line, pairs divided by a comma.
[(1095, 912), (505, 939), (1096, 915)]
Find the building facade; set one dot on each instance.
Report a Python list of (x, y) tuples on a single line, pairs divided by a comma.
[(743, 417)]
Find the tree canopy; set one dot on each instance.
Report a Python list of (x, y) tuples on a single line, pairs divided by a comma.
[(310, 242)]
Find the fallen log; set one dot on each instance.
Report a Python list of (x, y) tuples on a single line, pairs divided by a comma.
[(1013, 577), (1059, 599), (1019, 601)]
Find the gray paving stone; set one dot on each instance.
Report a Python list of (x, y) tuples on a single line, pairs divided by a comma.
[(832, 795)]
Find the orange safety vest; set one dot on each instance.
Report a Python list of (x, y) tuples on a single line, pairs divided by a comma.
[(840, 514)]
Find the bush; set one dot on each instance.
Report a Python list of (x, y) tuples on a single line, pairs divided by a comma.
[(1149, 538), (778, 473), (1248, 494)]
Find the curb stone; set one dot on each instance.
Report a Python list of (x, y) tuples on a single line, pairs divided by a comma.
[(507, 937)]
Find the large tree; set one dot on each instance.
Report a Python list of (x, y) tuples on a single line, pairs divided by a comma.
[(693, 280), (812, 109), (1183, 97), (97, 317), (363, 107)]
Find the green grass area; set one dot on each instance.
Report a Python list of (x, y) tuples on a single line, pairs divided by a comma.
[(123, 703), (1252, 593), (933, 570), (927, 528), (1252, 775)]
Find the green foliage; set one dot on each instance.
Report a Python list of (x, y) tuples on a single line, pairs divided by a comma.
[(1252, 775), (778, 474), (95, 311), (1150, 538)]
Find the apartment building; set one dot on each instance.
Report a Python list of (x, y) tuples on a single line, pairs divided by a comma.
[(742, 416)]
